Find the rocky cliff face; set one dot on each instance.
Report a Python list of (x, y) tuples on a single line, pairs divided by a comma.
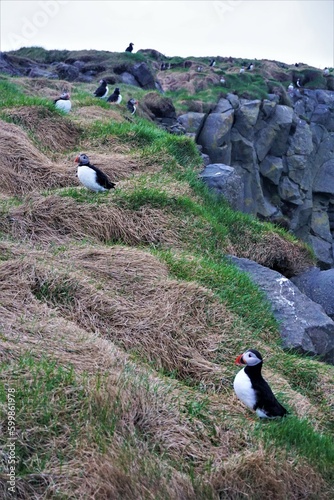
[(284, 156)]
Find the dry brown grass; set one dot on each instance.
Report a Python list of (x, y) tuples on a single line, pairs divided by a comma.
[(260, 475), (58, 219), (23, 167), (123, 296), (87, 115), (50, 130), (274, 252)]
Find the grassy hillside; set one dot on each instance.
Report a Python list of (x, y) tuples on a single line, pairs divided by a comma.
[(121, 318)]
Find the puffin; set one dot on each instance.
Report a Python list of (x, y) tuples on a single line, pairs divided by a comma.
[(212, 63), (298, 83), (253, 390), (115, 97), (242, 70), (102, 90), (92, 177), (129, 48), (250, 67), (326, 71), (290, 87), (132, 105), (63, 102)]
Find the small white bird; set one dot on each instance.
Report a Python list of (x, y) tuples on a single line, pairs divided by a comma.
[(251, 388), (63, 102), (242, 70), (222, 80), (290, 87), (92, 177), (326, 71)]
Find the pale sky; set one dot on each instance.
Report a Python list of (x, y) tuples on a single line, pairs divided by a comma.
[(289, 31)]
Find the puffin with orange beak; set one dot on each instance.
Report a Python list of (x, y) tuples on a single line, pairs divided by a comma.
[(253, 390)]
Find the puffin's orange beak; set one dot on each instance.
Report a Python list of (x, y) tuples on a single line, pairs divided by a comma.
[(77, 159), (239, 360)]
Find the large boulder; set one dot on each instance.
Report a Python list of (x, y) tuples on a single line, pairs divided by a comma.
[(143, 75), (318, 286), (214, 135), (224, 181), (304, 326)]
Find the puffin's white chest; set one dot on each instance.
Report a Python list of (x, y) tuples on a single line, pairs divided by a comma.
[(244, 390), (87, 177), (64, 105)]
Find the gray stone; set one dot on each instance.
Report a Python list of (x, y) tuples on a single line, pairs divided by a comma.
[(67, 72), (215, 136), (224, 181), (318, 286), (191, 121), (246, 117), (128, 79), (303, 324), (222, 106), (243, 151), (234, 100), (323, 251), (289, 191), (300, 143), (143, 75), (324, 180), (298, 171), (272, 168)]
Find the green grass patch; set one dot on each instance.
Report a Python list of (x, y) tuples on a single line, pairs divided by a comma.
[(298, 437), (12, 96), (53, 405), (231, 285)]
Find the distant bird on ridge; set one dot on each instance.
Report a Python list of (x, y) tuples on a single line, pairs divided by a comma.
[(63, 102), (326, 71), (251, 388), (92, 177), (115, 97), (212, 63), (102, 90), (129, 48), (132, 105)]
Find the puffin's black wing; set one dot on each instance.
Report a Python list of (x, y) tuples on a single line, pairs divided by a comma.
[(112, 98), (101, 178), (266, 400), (100, 91)]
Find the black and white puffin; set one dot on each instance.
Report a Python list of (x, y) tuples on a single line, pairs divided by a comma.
[(115, 97), (132, 105), (326, 71), (212, 63), (102, 90), (251, 388), (63, 102), (129, 48), (250, 67), (92, 177)]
